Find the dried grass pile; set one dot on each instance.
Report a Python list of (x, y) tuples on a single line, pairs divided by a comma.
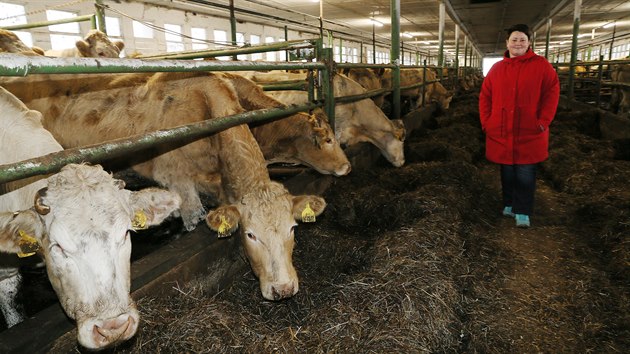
[(379, 272), (415, 259), (595, 174)]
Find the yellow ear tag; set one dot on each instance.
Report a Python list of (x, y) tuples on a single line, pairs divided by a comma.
[(139, 221), (224, 228), (28, 245), (308, 215)]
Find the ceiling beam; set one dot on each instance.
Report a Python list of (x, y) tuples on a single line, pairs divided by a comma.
[(553, 7), (463, 27)]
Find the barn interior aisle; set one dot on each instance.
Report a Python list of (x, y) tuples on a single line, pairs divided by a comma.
[(419, 259)]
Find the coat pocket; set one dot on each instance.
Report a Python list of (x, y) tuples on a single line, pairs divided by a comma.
[(527, 121), (496, 123)]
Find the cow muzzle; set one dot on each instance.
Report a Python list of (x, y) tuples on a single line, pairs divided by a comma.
[(279, 291), (99, 334)]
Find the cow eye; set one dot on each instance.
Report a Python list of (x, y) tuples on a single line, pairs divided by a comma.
[(251, 236), (328, 141)]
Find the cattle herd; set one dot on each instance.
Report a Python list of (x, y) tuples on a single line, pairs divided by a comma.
[(79, 219)]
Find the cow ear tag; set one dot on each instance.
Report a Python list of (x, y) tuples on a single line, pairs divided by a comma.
[(308, 215), (139, 221), (224, 228), (28, 245)]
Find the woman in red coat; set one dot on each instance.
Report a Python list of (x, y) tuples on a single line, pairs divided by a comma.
[(517, 102)]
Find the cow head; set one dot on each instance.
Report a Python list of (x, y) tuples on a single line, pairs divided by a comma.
[(323, 153), (267, 220), (394, 151), (444, 96), (97, 45), (80, 224)]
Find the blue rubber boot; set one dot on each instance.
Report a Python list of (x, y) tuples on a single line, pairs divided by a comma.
[(522, 220), (507, 211)]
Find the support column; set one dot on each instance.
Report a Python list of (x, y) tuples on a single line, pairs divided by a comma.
[(395, 58), (576, 30)]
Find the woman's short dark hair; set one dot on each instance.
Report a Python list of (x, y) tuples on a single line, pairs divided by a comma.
[(518, 28)]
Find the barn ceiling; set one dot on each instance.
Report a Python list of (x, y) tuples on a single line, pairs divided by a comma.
[(481, 21)]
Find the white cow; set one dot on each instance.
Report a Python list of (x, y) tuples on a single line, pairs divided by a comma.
[(78, 220)]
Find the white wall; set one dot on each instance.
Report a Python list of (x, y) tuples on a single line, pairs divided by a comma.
[(159, 16)]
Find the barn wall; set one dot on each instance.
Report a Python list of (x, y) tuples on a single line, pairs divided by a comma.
[(214, 20)]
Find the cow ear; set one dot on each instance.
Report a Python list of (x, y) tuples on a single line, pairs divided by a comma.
[(307, 207), (83, 47), (38, 50), (152, 205), (119, 44), (224, 220), (20, 232)]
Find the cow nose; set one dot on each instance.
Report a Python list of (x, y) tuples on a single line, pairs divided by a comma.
[(282, 291), (113, 330), (344, 170)]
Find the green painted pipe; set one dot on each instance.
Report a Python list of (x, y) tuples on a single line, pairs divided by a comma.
[(182, 135), (212, 53), (359, 97), (302, 86), (20, 65), (100, 15), (49, 23), (327, 84)]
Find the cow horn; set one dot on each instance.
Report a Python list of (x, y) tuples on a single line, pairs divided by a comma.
[(40, 207)]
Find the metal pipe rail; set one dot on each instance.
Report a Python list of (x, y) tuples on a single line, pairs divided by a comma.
[(20, 65), (183, 134), (83, 18), (285, 86), (212, 53), (595, 62)]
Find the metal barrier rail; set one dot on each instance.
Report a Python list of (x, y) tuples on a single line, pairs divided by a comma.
[(91, 18), (20, 65), (97, 153), (212, 53)]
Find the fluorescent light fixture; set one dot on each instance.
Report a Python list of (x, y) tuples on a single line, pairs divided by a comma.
[(376, 23), (608, 25)]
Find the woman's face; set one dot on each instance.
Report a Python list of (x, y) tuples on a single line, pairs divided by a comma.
[(517, 44)]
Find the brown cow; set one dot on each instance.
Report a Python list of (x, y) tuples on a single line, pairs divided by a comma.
[(11, 43), (299, 138), (85, 109), (621, 73), (355, 122), (369, 79), (434, 92), (96, 44)]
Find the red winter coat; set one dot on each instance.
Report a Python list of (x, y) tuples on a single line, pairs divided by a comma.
[(517, 102)]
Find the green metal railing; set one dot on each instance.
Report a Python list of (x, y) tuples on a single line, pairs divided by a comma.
[(91, 18), (213, 53), (97, 153), (19, 65)]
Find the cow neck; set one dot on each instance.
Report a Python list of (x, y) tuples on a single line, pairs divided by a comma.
[(252, 97), (243, 168)]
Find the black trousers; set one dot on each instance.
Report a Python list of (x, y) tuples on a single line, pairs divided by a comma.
[(518, 183)]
